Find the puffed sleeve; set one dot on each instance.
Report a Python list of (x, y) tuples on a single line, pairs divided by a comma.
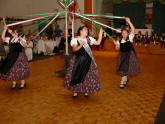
[(92, 40), (7, 39), (73, 42), (131, 37)]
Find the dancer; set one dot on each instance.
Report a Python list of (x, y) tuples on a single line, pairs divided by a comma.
[(15, 67), (82, 74), (127, 60)]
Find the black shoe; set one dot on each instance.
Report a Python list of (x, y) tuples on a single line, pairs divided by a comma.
[(22, 87), (86, 95), (13, 88), (74, 96), (122, 86)]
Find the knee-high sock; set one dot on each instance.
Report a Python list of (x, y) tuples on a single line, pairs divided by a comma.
[(14, 83), (75, 94), (123, 79), (22, 83)]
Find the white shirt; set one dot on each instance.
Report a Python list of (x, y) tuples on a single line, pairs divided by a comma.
[(30, 44), (74, 41), (131, 37), (7, 39), (14, 40)]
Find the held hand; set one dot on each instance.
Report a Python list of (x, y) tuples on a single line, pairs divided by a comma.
[(115, 42), (101, 31), (117, 47), (127, 19), (4, 19), (82, 43), (5, 27)]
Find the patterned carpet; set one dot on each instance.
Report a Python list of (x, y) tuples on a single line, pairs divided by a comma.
[(45, 101)]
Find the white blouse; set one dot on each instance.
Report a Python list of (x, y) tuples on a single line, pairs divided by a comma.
[(74, 41), (131, 37), (13, 40)]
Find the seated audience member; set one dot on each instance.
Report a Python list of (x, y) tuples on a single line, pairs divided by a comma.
[(44, 37), (29, 49), (155, 39), (41, 46), (138, 39), (58, 32), (163, 40), (146, 39)]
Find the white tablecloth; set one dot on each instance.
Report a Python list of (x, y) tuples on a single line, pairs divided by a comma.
[(143, 31), (51, 44)]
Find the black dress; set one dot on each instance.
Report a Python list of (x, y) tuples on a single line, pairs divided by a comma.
[(15, 66), (2, 50), (81, 66), (14, 50), (82, 73), (127, 60)]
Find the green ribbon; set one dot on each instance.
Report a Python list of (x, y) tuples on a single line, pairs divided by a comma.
[(38, 24), (35, 15), (102, 15), (66, 3), (97, 26), (70, 3)]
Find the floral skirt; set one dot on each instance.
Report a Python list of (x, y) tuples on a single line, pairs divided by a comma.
[(90, 84), (20, 69), (133, 66)]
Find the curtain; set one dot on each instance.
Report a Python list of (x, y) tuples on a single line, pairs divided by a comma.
[(158, 18), (135, 11), (134, 1)]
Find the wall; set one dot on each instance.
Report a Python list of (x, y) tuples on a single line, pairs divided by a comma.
[(24, 7)]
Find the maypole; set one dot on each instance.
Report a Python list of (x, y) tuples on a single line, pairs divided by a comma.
[(63, 72), (66, 28)]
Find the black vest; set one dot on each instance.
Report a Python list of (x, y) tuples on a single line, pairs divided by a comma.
[(125, 47)]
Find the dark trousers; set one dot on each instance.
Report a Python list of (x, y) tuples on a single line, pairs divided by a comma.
[(162, 44)]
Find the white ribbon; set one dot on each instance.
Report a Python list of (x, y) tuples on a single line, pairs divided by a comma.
[(26, 21), (70, 3), (49, 23), (62, 4), (108, 16), (97, 22)]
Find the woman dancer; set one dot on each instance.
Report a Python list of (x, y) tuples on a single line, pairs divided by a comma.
[(127, 60), (82, 75), (15, 67)]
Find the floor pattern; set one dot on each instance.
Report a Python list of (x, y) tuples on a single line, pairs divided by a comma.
[(45, 101)]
